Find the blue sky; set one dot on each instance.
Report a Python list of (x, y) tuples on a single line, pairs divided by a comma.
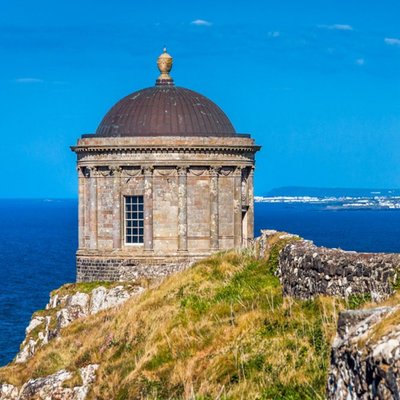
[(316, 83)]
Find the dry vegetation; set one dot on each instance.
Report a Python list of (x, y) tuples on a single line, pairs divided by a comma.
[(218, 330)]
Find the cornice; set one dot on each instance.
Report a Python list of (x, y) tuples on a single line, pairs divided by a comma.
[(165, 149)]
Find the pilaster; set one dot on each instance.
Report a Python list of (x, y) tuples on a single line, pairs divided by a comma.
[(148, 208), (237, 207), (93, 209), (250, 211), (81, 208), (182, 209), (214, 208), (116, 171)]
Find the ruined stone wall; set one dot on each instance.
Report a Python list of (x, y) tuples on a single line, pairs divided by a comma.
[(306, 270), (365, 356)]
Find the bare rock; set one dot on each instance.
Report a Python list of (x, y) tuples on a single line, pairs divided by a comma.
[(102, 298), (68, 309), (51, 387), (8, 392), (35, 322)]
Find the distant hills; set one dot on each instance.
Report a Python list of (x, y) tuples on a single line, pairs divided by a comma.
[(330, 192)]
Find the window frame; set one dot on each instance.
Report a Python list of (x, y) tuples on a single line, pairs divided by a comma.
[(135, 200)]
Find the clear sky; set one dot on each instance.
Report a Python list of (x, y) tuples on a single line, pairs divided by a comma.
[(317, 83)]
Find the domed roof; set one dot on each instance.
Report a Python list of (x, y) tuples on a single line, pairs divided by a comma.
[(165, 110)]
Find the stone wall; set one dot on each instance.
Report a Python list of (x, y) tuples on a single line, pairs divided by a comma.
[(365, 357), (306, 270), (89, 269)]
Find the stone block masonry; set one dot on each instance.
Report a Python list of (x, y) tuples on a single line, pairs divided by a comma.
[(197, 195), (306, 270), (91, 269)]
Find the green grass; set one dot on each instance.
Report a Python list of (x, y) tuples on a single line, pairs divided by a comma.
[(220, 329)]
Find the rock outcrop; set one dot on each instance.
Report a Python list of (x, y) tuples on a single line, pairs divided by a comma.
[(365, 358), (64, 309), (52, 386)]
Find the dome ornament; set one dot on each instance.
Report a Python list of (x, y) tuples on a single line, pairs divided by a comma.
[(164, 64)]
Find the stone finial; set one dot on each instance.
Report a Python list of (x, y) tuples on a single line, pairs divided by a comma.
[(164, 63)]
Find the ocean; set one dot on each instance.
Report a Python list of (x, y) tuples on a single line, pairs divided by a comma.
[(38, 240)]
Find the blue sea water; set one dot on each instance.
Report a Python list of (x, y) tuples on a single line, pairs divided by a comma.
[(38, 240), (368, 230)]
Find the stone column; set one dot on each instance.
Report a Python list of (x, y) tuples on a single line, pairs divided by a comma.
[(237, 207), (182, 209), (250, 211), (148, 208), (81, 208), (93, 207), (214, 208), (117, 207)]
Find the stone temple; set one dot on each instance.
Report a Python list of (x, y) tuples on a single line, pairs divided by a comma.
[(163, 182)]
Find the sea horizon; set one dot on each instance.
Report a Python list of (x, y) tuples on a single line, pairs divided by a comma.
[(39, 241)]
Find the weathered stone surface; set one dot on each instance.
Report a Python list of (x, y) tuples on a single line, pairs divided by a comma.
[(262, 244), (8, 392), (70, 308), (365, 364), (306, 270), (51, 387), (198, 199), (108, 268)]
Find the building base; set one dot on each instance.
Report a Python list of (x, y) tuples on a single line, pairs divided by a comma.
[(96, 268)]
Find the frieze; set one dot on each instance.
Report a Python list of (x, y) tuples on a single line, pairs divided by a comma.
[(171, 171), (131, 171), (103, 171), (198, 171), (226, 171), (167, 158)]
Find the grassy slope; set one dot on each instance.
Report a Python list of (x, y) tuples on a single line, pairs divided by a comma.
[(218, 330)]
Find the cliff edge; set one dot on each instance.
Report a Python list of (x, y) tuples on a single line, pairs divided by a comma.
[(248, 324)]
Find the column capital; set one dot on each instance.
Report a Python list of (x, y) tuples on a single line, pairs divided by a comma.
[(90, 171), (81, 171), (115, 170), (215, 170), (148, 170), (238, 171), (182, 170)]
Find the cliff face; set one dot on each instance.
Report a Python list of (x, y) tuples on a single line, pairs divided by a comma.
[(255, 323), (66, 305)]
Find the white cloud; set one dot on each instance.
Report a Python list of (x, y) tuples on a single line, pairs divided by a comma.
[(392, 41), (201, 22), (360, 61), (29, 80), (337, 27), (274, 34)]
